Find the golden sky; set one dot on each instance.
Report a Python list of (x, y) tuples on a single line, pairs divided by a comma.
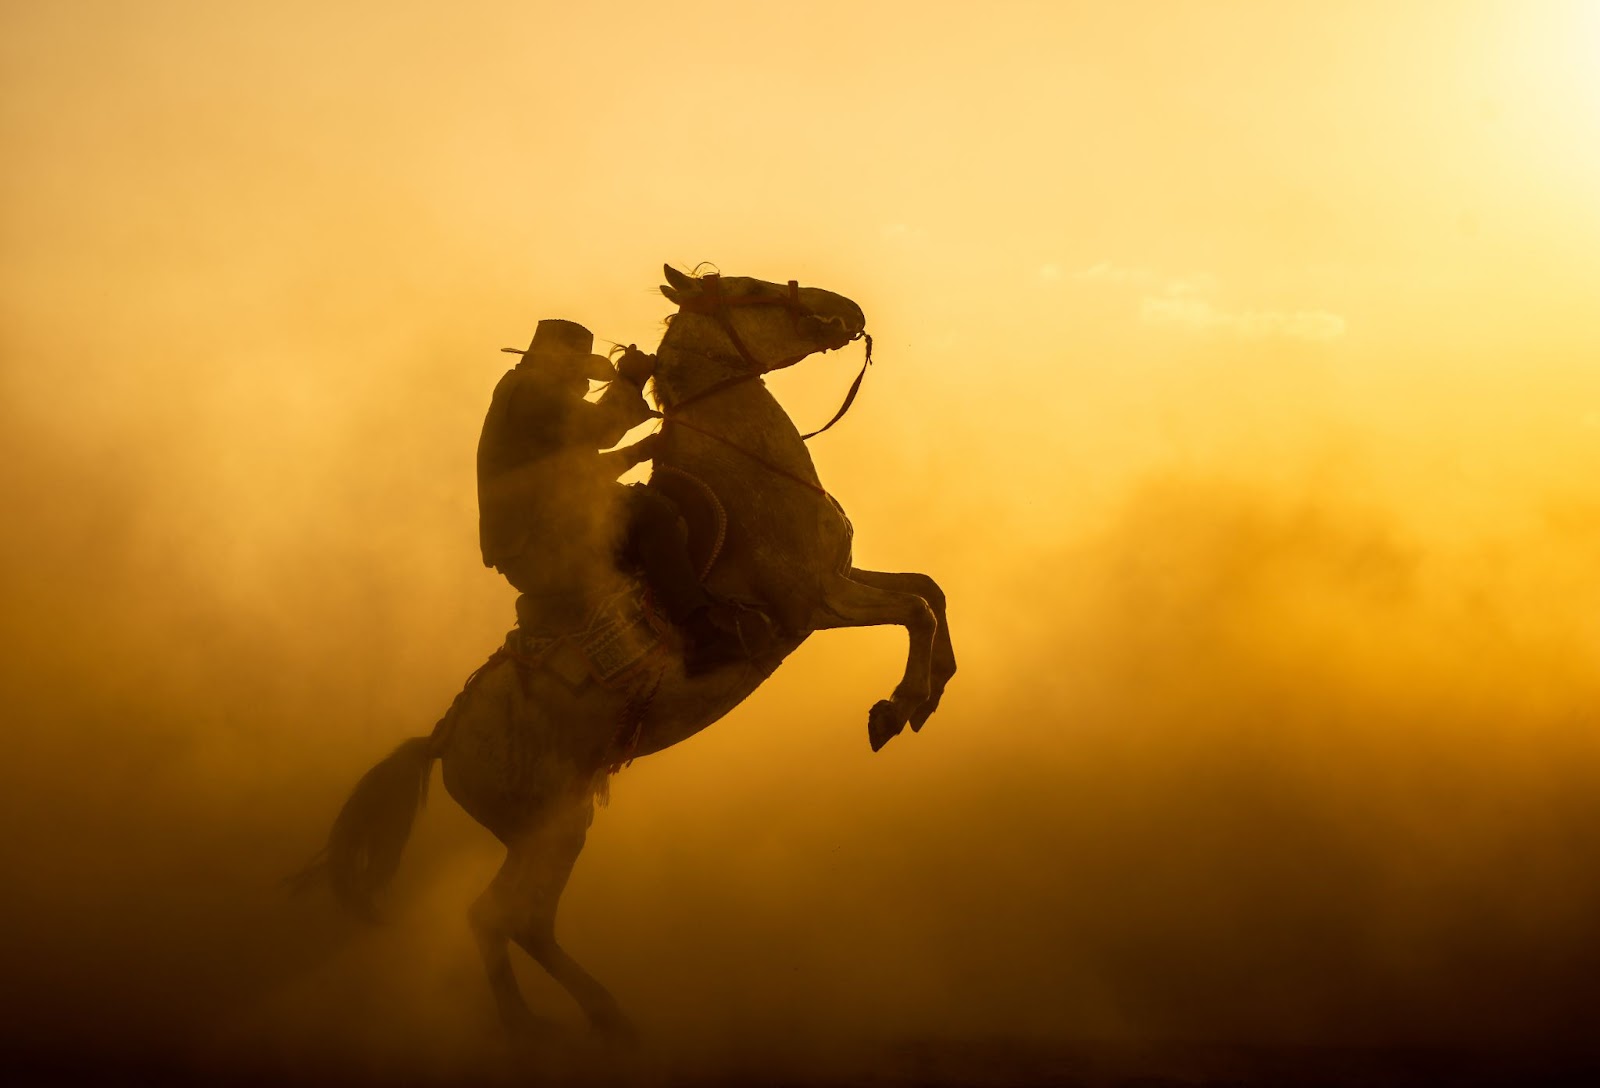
[(1235, 375)]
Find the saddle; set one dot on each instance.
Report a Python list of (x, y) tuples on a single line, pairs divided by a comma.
[(624, 638), (614, 644)]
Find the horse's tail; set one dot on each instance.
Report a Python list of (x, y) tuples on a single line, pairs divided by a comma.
[(363, 849)]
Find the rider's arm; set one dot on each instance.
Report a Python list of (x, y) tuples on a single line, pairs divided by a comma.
[(619, 410), (618, 461), (622, 406)]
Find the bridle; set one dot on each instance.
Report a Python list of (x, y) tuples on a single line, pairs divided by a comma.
[(716, 303)]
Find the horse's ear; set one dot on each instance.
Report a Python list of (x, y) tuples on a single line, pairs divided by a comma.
[(672, 295), (678, 279)]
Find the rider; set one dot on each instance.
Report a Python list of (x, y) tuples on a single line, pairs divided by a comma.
[(550, 510)]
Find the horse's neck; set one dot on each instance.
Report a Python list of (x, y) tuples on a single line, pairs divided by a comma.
[(694, 357), (737, 408)]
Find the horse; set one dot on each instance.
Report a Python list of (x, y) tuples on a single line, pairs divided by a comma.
[(526, 749)]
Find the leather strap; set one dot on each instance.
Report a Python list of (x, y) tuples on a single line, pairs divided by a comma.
[(849, 398), (674, 421)]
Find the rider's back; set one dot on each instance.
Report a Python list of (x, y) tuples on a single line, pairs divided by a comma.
[(547, 507)]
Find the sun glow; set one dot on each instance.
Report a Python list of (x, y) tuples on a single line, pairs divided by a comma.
[(1234, 374), (1544, 70)]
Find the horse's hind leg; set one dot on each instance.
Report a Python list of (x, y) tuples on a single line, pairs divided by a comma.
[(539, 865), (943, 665), (491, 921)]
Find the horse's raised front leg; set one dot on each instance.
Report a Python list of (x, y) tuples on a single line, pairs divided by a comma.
[(850, 603), (944, 654)]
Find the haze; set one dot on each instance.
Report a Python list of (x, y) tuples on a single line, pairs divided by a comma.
[(1235, 376)]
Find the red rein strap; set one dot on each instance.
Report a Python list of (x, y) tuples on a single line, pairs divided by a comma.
[(676, 421), (713, 389), (727, 383)]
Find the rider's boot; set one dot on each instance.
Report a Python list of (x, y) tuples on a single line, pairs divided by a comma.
[(711, 630)]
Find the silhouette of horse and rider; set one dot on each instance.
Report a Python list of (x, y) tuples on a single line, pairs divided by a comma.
[(647, 611)]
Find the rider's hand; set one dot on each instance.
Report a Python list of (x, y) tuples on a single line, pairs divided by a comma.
[(636, 365)]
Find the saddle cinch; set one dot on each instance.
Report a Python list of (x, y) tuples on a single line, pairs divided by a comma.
[(625, 635)]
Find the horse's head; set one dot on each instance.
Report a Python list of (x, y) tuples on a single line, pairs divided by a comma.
[(762, 326)]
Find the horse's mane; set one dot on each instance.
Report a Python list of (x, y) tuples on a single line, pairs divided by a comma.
[(693, 273)]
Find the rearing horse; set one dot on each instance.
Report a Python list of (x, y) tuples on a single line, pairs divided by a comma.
[(524, 751)]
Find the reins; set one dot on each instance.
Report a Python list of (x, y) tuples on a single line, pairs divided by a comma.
[(738, 379), (673, 421), (716, 305), (850, 397)]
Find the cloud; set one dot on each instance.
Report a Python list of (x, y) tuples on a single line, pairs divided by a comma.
[(1190, 285), (1187, 312), (1121, 275), (1179, 302)]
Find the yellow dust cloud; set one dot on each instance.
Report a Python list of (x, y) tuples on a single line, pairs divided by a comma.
[(1236, 376)]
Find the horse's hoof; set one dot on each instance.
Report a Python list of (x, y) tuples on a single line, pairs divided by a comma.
[(883, 722)]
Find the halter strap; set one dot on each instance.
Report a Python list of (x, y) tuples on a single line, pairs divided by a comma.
[(716, 304), (712, 298), (710, 390), (739, 379)]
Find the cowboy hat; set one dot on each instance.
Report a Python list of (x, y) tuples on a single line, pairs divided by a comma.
[(566, 345)]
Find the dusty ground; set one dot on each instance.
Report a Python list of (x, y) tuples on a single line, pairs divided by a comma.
[(983, 1064)]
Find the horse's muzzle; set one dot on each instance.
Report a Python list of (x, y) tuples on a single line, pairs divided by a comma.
[(831, 332)]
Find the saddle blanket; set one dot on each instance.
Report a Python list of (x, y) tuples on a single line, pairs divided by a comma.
[(619, 636)]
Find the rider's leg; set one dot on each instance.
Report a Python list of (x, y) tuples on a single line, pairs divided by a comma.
[(656, 541)]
